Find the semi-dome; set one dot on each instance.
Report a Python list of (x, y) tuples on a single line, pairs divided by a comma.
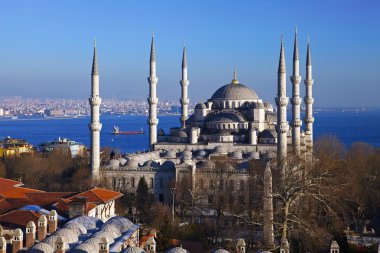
[(234, 91), (226, 117), (41, 248), (134, 250)]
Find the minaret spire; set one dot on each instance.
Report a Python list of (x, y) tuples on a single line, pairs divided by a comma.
[(296, 99), (281, 101), (309, 100), (152, 100), (95, 126), (184, 95)]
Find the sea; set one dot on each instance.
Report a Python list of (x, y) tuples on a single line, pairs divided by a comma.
[(349, 126)]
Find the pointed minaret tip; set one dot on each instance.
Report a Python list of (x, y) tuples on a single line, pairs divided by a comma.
[(308, 54), (94, 42), (152, 50), (184, 62), (234, 81), (295, 51), (95, 71), (281, 64)]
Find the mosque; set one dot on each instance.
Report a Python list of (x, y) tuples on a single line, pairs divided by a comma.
[(235, 123)]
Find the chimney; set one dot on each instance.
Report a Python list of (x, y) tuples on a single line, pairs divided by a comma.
[(240, 246), (334, 248), (42, 228), (284, 248), (60, 245), (17, 241), (1, 230), (30, 234), (53, 221), (150, 245), (3, 245), (104, 246)]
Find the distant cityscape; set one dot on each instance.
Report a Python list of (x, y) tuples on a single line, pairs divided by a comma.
[(48, 107)]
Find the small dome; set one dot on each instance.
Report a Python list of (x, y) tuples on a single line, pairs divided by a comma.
[(122, 223), (177, 250), (170, 154), (122, 161), (237, 155), (41, 248), (88, 222), (151, 163), (220, 150), (187, 154), (114, 163), (76, 228), (268, 106), (68, 234), (220, 251), (201, 153), (200, 106), (234, 92), (268, 133), (84, 248), (94, 242), (182, 134), (133, 250), (99, 235), (111, 229), (133, 163)]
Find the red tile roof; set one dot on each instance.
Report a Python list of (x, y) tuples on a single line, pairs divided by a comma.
[(9, 182), (18, 218), (99, 195)]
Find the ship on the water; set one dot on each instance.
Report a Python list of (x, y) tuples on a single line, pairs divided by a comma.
[(116, 130)]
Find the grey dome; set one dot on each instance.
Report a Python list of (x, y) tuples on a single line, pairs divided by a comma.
[(111, 229), (237, 155), (114, 163), (220, 150), (94, 242), (226, 117), (151, 163), (41, 248), (201, 153), (121, 223), (234, 92), (99, 235), (187, 154), (182, 134), (84, 248), (132, 163), (88, 222), (133, 250), (170, 154), (76, 227), (68, 234), (220, 251), (177, 250), (200, 106), (51, 240)]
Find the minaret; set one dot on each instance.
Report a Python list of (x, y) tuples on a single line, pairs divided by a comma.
[(309, 100), (95, 125), (152, 100), (268, 208), (184, 83), (282, 102), (296, 99)]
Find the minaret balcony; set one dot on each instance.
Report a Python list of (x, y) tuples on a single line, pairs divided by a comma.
[(282, 128), (296, 101), (309, 100), (295, 79), (95, 126), (184, 101), (282, 101), (309, 82), (297, 123), (95, 101), (152, 122), (184, 82), (152, 80), (152, 101), (309, 120)]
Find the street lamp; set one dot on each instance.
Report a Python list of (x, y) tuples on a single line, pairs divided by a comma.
[(173, 193)]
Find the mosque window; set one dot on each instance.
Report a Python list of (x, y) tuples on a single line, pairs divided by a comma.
[(221, 184), (210, 199), (133, 182), (241, 185), (151, 183), (232, 185)]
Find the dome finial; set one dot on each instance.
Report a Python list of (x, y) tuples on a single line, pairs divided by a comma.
[(234, 81)]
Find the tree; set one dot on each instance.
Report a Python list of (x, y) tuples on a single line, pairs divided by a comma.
[(143, 200)]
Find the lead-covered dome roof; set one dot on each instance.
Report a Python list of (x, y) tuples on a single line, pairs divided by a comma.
[(225, 117), (234, 91)]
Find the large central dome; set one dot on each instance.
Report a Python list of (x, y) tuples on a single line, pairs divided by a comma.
[(235, 91)]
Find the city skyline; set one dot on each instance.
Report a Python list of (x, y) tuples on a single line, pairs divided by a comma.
[(46, 47)]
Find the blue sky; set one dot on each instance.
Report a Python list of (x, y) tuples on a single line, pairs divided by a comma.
[(46, 47)]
